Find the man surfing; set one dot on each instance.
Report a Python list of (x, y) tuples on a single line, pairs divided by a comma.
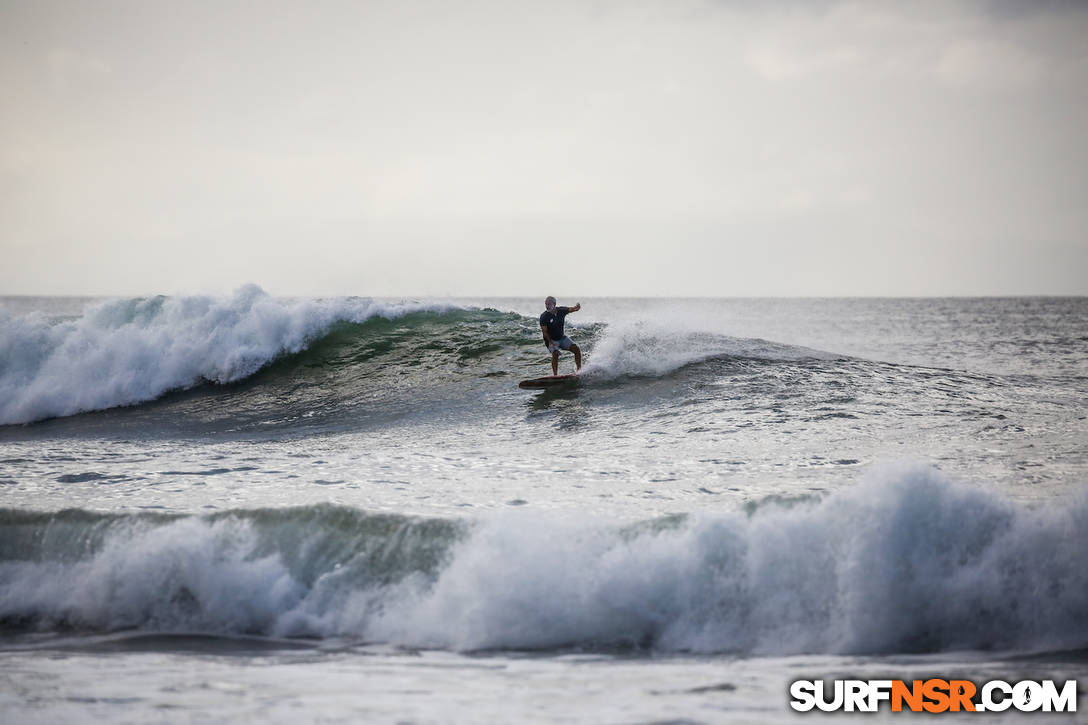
[(551, 327)]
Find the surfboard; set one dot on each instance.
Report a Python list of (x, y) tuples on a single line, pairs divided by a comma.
[(548, 381)]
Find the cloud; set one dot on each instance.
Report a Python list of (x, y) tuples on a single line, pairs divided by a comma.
[(68, 68), (959, 47), (373, 134), (990, 65)]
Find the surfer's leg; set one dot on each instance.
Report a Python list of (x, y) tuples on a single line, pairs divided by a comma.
[(577, 357), (555, 362)]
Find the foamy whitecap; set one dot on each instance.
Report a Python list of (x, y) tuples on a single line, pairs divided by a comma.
[(904, 562), (130, 351), (656, 347)]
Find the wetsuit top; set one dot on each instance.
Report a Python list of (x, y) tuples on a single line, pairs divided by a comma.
[(554, 322)]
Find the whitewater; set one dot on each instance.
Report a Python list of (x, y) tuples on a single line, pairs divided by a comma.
[(133, 351), (241, 505)]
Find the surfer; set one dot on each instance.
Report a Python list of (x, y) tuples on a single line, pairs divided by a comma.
[(551, 327)]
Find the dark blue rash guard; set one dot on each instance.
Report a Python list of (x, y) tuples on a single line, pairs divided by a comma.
[(554, 322)]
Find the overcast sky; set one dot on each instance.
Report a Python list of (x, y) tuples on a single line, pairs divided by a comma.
[(520, 148)]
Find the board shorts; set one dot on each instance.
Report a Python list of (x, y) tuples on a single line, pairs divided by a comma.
[(562, 343)]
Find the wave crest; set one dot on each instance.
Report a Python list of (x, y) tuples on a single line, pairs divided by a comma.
[(904, 562), (131, 351), (656, 348)]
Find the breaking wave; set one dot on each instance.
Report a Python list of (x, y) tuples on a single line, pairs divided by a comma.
[(906, 561), (132, 351), (307, 357)]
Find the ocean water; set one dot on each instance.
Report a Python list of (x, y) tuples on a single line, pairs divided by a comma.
[(345, 510)]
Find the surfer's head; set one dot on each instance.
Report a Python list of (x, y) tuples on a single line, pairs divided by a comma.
[(549, 303)]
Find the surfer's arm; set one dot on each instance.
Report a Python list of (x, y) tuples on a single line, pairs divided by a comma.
[(547, 337)]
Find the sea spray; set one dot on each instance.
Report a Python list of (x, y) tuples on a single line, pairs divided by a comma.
[(242, 572), (905, 561), (655, 347), (124, 352)]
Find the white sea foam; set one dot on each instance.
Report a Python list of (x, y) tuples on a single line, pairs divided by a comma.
[(131, 351), (657, 346), (191, 575), (905, 561)]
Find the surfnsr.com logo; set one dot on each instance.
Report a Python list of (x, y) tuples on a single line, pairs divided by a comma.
[(933, 695)]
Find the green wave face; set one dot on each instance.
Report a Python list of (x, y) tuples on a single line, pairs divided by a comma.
[(374, 372), (350, 375)]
